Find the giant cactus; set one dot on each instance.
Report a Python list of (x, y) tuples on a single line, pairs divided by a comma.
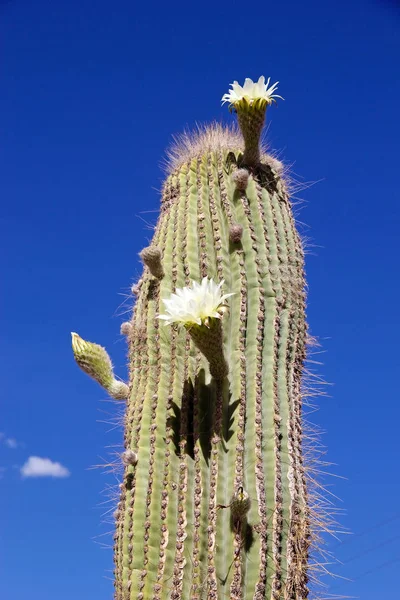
[(214, 502)]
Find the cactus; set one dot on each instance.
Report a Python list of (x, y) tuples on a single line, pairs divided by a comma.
[(94, 360), (214, 502)]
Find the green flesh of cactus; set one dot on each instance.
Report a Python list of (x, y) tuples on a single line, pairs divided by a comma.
[(214, 502), (199, 439)]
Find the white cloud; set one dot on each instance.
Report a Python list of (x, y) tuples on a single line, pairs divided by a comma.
[(11, 443), (43, 467)]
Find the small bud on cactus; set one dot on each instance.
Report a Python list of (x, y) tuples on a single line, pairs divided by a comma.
[(129, 458), (241, 178), (151, 257), (135, 289), (235, 233), (94, 360), (126, 328)]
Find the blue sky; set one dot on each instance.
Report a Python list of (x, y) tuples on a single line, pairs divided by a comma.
[(91, 94)]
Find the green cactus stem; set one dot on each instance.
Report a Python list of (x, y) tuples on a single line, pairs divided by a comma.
[(250, 103), (214, 415), (94, 360), (251, 122), (208, 339)]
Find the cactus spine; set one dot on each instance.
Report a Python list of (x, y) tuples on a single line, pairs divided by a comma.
[(215, 503)]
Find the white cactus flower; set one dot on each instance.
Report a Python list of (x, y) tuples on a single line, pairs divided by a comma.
[(252, 91), (195, 305)]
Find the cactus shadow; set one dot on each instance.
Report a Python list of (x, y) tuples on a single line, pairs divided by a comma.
[(129, 481), (237, 195), (174, 422), (183, 432), (246, 544), (152, 292), (263, 174), (229, 417), (234, 246), (204, 395), (248, 537), (266, 177), (232, 162)]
